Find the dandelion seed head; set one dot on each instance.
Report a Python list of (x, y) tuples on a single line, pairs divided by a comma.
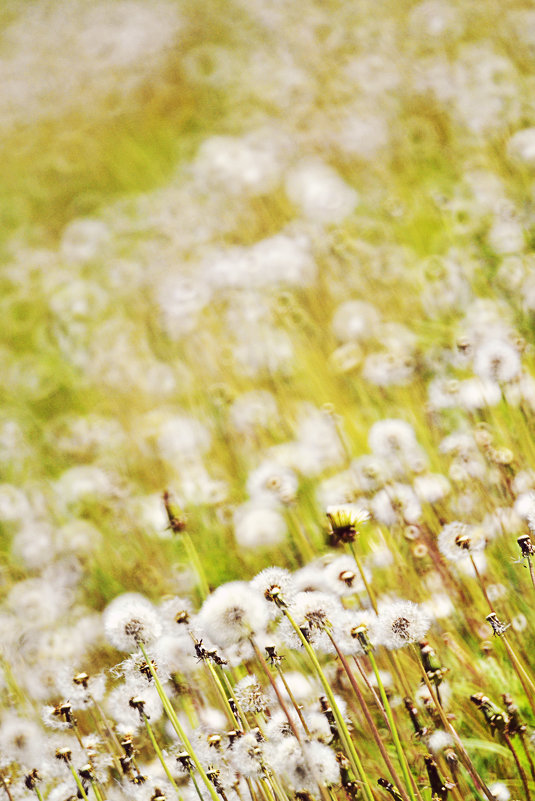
[(347, 626), (275, 584), (250, 695), (500, 791), (314, 613), (497, 360), (438, 740), (246, 755), (131, 619), (342, 576), (258, 524), (396, 505), (232, 613), (401, 623), (458, 540)]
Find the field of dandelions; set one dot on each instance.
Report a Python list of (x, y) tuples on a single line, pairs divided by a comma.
[(267, 453)]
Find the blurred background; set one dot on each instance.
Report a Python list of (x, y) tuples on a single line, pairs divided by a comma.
[(234, 235)]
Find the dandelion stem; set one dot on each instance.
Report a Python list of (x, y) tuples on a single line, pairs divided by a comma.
[(284, 708), (221, 690), (109, 731), (6, 787), (160, 756), (96, 791), (527, 753), (197, 789), (465, 759), (521, 771), (171, 714), (393, 728), (242, 718), (79, 784), (292, 699), (371, 594), (345, 737), (193, 557), (531, 570), (301, 538), (370, 721), (38, 793), (525, 679)]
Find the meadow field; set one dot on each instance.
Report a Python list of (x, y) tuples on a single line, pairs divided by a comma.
[(267, 462)]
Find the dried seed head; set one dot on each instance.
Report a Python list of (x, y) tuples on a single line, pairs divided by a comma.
[(31, 779), (526, 546), (64, 754), (498, 628), (81, 679)]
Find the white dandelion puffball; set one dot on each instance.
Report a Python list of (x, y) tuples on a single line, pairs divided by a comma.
[(232, 613), (319, 192), (401, 623), (497, 360), (258, 525), (130, 620), (521, 146)]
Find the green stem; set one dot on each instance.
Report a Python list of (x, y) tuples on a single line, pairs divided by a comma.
[(392, 725), (301, 540), (371, 723), (531, 571), (479, 784), (97, 792), (292, 699), (197, 790), (242, 718), (524, 678), (38, 793), (78, 782), (222, 694), (291, 723), (171, 714), (345, 737), (521, 771), (371, 594), (160, 756), (193, 557)]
